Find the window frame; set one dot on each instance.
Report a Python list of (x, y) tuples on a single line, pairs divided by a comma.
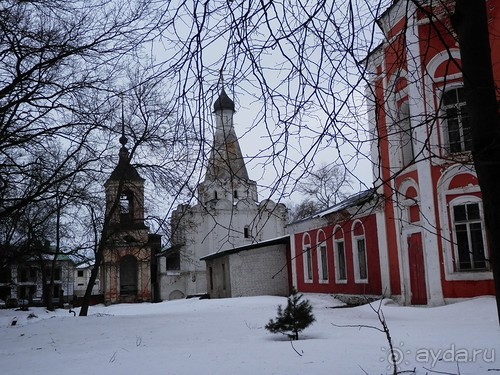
[(406, 136), (455, 245), (307, 262), (322, 255), (337, 260), (464, 142), (356, 239), (174, 265), (450, 193)]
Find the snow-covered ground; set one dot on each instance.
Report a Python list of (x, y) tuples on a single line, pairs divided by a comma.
[(227, 336)]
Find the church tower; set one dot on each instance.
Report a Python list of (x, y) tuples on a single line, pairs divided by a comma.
[(227, 214), (128, 269), (226, 176)]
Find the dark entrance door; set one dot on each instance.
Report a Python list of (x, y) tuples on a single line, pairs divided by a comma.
[(417, 270), (128, 276)]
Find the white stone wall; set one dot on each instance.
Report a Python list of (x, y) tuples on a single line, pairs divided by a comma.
[(252, 272), (220, 288), (81, 282), (249, 273), (219, 227)]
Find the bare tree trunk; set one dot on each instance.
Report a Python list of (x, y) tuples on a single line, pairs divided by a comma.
[(471, 24), (99, 249), (93, 276), (99, 252), (50, 299)]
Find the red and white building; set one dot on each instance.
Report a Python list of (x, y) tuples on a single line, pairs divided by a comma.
[(420, 237), (337, 250)]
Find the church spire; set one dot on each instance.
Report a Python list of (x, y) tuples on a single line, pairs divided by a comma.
[(124, 170), (123, 139), (226, 160)]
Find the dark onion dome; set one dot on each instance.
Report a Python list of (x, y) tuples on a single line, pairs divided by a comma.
[(223, 102), (124, 170)]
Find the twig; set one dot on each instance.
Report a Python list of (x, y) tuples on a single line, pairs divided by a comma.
[(291, 343), (363, 370), (439, 372), (356, 326)]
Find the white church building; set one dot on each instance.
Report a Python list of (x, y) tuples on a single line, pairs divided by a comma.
[(227, 214)]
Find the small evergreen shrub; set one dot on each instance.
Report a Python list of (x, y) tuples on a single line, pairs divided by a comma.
[(296, 317)]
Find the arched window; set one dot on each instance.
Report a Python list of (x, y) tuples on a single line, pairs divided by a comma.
[(126, 206), (457, 121), (410, 203), (322, 257), (128, 275), (359, 253), (307, 257), (339, 250), (465, 247), (406, 134)]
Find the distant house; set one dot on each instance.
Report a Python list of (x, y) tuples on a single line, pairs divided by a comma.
[(251, 270), (82, 277), (22, 279)]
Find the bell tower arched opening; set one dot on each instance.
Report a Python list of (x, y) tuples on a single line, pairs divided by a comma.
[(128, 276)]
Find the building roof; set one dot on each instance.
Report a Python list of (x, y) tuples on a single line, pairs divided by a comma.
[(169, 250), (357, 199), (285, 240), (124, 170), (223, 102)]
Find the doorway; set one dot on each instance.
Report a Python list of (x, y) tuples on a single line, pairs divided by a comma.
[(128, 276), (418, 285)]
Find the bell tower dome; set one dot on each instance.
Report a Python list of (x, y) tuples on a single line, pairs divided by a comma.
[(125, 188)]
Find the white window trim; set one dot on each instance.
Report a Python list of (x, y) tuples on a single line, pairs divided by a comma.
[(403, 132), (404, 204), (434, 86), (323, 279), (306, 253), (392, 117), (458, 202), (445, 137), (319, 258), (355, 239), (337, 261), (449, 272)]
